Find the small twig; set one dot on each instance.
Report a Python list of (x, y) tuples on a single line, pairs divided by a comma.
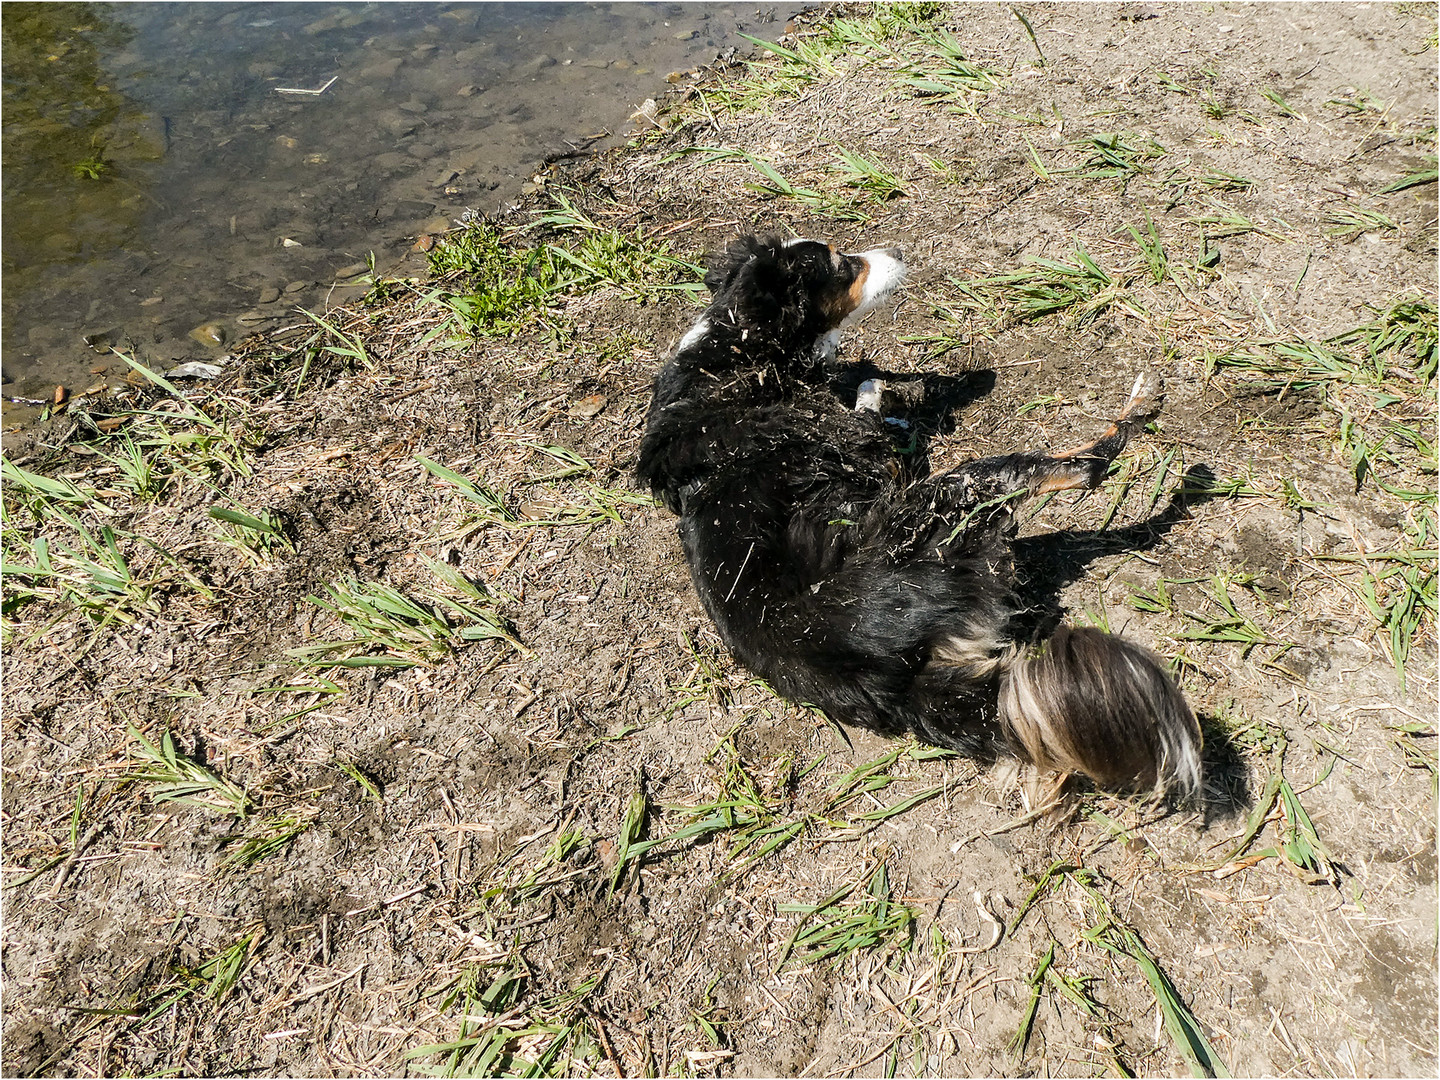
[(392, 900), (306, 93), (306, 995), (605, 1042), (997, 928), (69, 864)]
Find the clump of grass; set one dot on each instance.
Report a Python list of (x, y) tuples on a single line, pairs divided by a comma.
[(1030, 33), (492, 509), (628, 845), (139, 474), (1279, 103), (214, 979), (499, 1027), (1296, 365), (1227, 623), (1347, 222), (1416, 756), (951, 332), (1075, 989), (269, 837), (348, 347), (1389, 364), (1406, 330), (754, 822), (61, 555), (1080, 290), (870, 179), (827, 203), (259, 535), (39, 492), (758, 816), (944, 73), (547, 870), (170, 776), (1219, 221), (513, 284), (219, 975), (1152, 250), (706, 680), (60, 544), (779, 72), (1117, 156), (508, 287), (390, 628), (1111, 934), (1357, 103), (868, 35), (600, 255), (1298, 843), (88, 572), (1399, 589), (1412, 179), (859, 915), (1397, 446), (596, 503), (1219, 180), (1170, 83), (1036, 983), (1184, 1029)]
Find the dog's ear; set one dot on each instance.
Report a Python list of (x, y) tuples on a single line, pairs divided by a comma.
[(760, 290), (722, 266)]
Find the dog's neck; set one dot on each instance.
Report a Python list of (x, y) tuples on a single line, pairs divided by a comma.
[(716, 330)]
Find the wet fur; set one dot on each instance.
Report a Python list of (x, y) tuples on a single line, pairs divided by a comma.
[(883, 597)]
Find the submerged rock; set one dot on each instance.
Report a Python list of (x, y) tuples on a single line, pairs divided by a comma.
[(211, 334)]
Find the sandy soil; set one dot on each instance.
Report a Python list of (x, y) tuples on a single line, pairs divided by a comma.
[(455, 879)]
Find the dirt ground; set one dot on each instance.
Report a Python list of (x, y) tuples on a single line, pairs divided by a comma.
[(457, 874)]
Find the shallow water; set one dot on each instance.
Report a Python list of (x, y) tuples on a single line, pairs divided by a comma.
[(157, 179)]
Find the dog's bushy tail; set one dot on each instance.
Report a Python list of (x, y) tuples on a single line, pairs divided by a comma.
[(1089, 702)]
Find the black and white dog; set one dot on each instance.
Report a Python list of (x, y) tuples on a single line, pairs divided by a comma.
[(883, 597)]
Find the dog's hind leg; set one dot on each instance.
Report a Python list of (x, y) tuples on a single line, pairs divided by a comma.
[(1084, 466)]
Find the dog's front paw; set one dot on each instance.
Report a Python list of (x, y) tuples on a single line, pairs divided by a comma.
[(1147, 398), (869, 395)]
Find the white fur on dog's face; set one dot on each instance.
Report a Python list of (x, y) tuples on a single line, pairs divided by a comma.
[(884, 272)]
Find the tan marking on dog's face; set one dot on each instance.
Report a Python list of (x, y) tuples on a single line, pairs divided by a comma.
[(840, 304), (857, 287)]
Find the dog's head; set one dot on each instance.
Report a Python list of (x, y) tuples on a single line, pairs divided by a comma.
[(798, 291)]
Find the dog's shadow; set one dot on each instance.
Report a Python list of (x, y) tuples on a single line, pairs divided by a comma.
[(927, 401)]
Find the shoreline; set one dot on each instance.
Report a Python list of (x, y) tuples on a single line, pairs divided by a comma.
[(272, 202)]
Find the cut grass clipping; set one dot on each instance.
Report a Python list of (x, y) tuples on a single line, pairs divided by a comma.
[(1299, 845), (62, 554), (864, 181), (1080, 290), (597, 504), (755, 817), (848, 920)]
